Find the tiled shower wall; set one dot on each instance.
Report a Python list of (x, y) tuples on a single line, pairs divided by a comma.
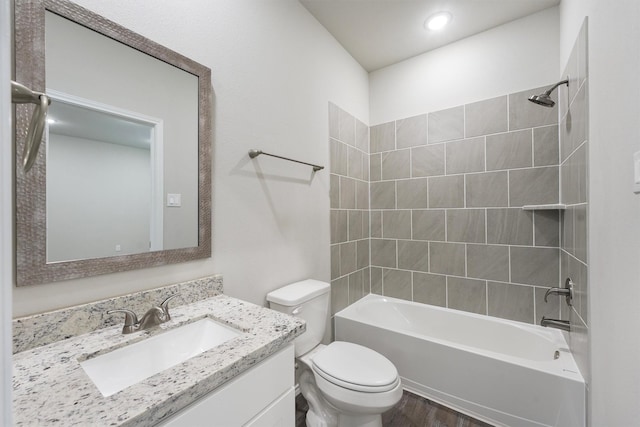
[(349, 194), (443, 222), (447, 224), (574, 136)]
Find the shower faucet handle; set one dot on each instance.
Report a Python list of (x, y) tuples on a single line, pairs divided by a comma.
[(567, 291)]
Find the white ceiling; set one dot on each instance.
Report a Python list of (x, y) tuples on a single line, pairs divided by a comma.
[(378, 33)]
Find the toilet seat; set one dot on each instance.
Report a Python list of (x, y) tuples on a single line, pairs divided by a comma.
[(355, 367)]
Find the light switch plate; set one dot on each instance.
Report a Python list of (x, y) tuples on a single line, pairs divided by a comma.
[(174, 200)]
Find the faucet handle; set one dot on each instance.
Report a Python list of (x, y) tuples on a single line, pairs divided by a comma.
[(165, 306), (130, 319)]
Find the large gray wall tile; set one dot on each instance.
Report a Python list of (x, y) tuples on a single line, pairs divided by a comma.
[(347, 193), (383, 195), (347, 258), (357, 165), (488, 262), (396, 164), (446, 191), (362, 195), (413, 255), (467, 294), (412, 193), (546, 146), (376, 223), (547, 228), (428, 225), (510, 150), (489, 189), (362, 253), (447, 258), (446, 125), (525, 114), (511, 302), (465, 156), (376, 280), (535, 266), (412, 131), (580, 232), (339, 294), (466, 225), (396, 284), (356, 286), (356, 225), (338, 219), (362, 136), (383, 137), (383, 253), (347, 128), (396, 224), (430, 289), (375, 167), (334, 191), (335, 261), (574, 177), (486, 117), (534, 186), (567, 233), (577, 119), (427, 161), (338, 157), (509, 226)]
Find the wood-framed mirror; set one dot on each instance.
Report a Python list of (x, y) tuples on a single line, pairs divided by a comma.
[(123, 177)]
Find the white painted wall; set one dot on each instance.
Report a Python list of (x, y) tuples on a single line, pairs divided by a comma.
[(614, 211), (512, 57), (98, 196), (6, 215), (275, 68)]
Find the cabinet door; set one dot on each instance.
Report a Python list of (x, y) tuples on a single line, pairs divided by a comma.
[(245, 397)]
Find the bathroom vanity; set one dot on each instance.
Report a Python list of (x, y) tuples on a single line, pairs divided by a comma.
[(247, 380)]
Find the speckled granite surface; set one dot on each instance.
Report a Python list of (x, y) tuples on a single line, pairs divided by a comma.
[(51, 388), (42, 329)]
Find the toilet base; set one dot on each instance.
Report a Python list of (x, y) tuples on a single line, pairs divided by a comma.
[(366, 420)]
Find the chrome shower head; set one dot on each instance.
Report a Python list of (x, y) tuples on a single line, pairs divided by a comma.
[(544, 99)]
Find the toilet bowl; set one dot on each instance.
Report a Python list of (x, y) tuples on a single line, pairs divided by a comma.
[(345, 384)]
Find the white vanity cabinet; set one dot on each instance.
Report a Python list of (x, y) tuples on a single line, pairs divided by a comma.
[(263, 396)]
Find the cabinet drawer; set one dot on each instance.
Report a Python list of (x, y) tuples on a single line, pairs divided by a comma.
[(243, 398)]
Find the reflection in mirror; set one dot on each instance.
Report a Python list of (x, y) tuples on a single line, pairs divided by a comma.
[(100, 197), (125, 180), (101, 170)]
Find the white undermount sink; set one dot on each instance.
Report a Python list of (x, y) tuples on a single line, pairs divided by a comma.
[(121, 368)]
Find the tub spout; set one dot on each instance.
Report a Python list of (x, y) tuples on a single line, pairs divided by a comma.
[(565, 325)]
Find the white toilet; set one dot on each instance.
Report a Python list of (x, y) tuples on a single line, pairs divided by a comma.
[(345, 384)]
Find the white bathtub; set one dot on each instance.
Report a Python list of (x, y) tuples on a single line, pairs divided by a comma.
[(498, 371)]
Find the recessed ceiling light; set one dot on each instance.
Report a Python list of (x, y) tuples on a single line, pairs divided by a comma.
[(51, 121), (437, 21)]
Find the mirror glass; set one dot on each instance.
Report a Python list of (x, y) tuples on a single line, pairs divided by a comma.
[(122, 155), (122, 180)]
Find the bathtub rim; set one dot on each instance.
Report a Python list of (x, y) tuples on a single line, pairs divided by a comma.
[(565, 366)]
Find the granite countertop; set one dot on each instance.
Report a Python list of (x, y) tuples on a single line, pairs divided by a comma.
[(51, 388)]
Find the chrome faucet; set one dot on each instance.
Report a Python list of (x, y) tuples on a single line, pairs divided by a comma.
[(152, 318), (567, 291), (565, 325)]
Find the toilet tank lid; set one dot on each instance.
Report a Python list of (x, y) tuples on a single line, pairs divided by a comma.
[(298, 292)]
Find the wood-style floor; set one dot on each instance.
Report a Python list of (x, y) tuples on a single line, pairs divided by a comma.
[(411, 411)]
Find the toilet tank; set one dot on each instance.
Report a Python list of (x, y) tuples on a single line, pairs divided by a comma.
[(309, 300)]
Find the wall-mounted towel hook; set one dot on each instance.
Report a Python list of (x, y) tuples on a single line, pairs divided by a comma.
[(253, 153), (21, 94)]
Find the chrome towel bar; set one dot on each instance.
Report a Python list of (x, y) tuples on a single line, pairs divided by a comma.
[(253, 153), (21, 94)]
